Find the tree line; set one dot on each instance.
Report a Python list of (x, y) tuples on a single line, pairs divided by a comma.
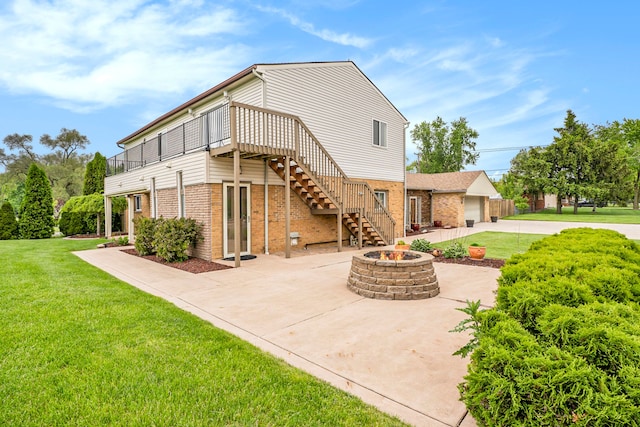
[(35, 187), (599, 163)]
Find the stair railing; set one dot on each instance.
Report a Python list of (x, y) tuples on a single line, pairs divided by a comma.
[(268, 132)]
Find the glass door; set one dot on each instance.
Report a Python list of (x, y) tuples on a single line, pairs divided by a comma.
[(229, 224)]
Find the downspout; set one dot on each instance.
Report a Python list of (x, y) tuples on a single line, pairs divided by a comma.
[(266, 168), (404, 184)]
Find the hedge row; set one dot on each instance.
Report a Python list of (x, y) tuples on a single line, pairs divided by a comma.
[(562, 345)]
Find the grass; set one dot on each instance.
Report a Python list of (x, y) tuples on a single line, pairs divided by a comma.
[(608, 215), (499, 245), (79, 347)]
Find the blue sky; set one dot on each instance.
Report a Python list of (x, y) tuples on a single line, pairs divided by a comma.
[(512, 68)]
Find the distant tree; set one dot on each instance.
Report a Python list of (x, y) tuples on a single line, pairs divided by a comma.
[(8, 223), (94, 175), (444, 148), (630, 129), (66, 144), (36, 212)]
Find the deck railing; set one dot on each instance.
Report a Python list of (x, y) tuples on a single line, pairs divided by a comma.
[(203, 132)]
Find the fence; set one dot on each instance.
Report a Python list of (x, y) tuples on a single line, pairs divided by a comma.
[(501, 208)]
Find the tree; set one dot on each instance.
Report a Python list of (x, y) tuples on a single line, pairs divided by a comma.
[(444, 148), (67, 143), (94, 175), (631, 136), (8, 223), (36, 212), (572, 157)]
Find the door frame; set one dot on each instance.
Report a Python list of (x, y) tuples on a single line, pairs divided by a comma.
[(226, 187)]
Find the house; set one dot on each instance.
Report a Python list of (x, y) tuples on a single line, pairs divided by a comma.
[(448, 199), (279, 155)]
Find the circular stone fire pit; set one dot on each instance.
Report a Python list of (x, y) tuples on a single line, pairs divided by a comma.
[(401, 275)]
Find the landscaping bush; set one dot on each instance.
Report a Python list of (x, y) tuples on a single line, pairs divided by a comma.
[(170, 239), (454, 250), (562, 345), (145, 229), (173, 237), (421, 245), (8, 223)]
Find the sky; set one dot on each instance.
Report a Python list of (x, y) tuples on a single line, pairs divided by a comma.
[(511, 68)]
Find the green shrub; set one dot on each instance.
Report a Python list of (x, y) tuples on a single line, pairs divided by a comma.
[(8, 223), (562, 345), (421, 245), (454, 250), (145, 229), (173, 237), (36, 211)]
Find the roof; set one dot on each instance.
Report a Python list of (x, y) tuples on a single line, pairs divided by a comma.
[(235, 79), (448, 182)]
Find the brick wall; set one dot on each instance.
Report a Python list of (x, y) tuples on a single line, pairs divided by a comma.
[(396, 201), (448, 208), (198, 205), (168, 203)]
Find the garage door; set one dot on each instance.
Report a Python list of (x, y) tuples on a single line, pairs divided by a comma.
[(473, 208)]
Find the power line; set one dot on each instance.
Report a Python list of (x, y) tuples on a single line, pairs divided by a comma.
[(493, 150)]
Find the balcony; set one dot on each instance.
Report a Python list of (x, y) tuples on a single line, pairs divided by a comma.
[(210, 130)]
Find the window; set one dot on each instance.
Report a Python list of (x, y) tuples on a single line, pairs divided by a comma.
[(137, 202), (379, 133), (382, 196)]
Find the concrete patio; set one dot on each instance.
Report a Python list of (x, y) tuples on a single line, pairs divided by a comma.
[(395, 355)]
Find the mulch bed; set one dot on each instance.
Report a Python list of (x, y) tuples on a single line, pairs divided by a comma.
[(485, 262), (192, 265)]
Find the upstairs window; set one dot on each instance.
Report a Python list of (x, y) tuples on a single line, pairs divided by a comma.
[(379, 133)]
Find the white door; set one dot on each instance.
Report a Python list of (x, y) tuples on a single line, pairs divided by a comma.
[(228, 226)]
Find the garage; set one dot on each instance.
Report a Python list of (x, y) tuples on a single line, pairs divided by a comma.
[(474, 208)]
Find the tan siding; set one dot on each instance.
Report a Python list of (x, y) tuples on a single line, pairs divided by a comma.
[(221, 169), (249, 93), (339, 104)]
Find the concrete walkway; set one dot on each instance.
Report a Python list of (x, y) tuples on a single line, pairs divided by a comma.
[(395, 355)]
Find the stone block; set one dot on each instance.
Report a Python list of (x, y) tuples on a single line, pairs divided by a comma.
[(397, 289), (384, 296), (405, 282), (386, 282), (422, 274), (378, 288), (401, 275), (405, 296), (420, 295), (368, 279), (366, 293)]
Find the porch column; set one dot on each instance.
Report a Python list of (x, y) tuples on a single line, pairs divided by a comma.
[(236, 207), (107, 217), (339, 225), (130, 230), (287, 208)]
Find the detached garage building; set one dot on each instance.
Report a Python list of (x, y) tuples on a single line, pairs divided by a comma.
[(448, 199)]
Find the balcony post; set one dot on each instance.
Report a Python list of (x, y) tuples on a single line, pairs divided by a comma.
[(287, 207)]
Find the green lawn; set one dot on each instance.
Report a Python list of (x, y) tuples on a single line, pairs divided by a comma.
[(79, 347), (499, 245), (609, 215)]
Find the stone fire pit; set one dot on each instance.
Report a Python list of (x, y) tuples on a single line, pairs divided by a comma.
[(390, 275)]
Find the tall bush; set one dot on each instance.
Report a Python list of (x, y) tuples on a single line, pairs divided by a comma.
[(36, 212), (174, 237), (8, 223), (145, 229), (562, 345)]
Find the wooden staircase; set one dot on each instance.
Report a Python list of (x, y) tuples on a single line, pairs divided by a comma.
[(311, 173), (320, 203)]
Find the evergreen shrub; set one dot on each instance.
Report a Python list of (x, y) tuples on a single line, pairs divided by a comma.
[(421, 245), (8, 223), (562, 345), (173, 237), (145, 229)]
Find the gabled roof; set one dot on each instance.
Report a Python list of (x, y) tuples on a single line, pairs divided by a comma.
[(227, 84), (452, 182)]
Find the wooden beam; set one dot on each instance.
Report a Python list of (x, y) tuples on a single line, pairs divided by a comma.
[(287, 210), (236, 207)]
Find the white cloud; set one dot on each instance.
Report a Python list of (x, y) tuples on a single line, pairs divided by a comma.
[(88, 54), (345, 39)]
